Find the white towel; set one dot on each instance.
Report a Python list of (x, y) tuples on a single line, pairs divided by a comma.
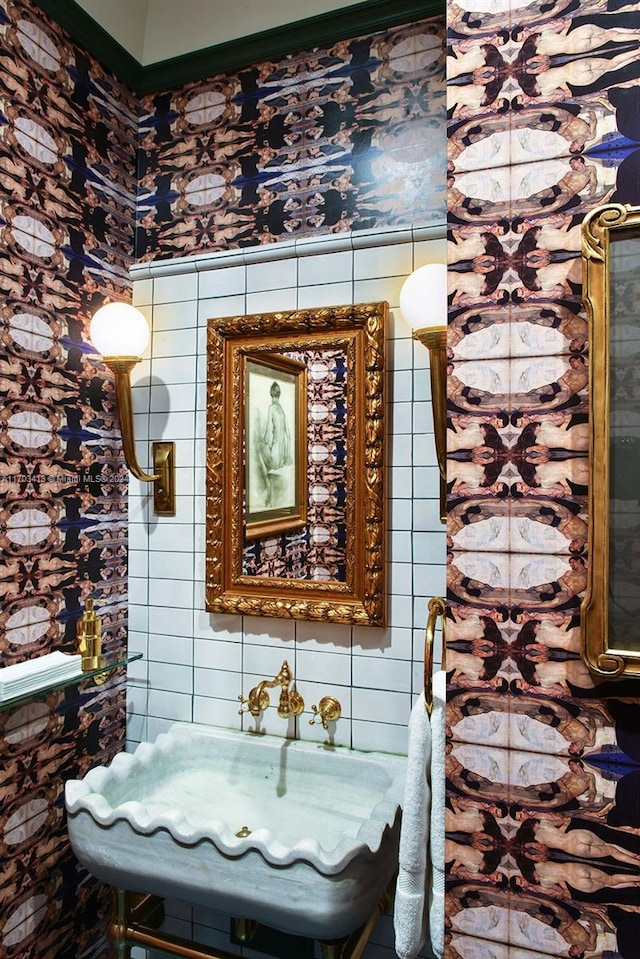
[(33, 674), (410, 907), (438, 743)]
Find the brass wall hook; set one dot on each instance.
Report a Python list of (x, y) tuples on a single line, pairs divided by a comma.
[(328, 711)]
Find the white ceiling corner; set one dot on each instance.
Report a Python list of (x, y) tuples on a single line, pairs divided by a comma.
[(157, 30)]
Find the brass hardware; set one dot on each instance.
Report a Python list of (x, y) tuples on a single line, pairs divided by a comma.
[(333, 949), (163, 477), (243, 832), (434, 338), (328, 710), (290, 703), (90, 641), (120, 333), (257, 700), (164, 488), (353, 946), (127, 927), (121, 367), (437, 607)]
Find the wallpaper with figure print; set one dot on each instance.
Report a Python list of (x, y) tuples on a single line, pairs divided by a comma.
[(321, 142), (330, 140), (543, 818), (67, 141)]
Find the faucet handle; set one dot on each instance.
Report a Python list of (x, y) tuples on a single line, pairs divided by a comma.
[(328, 710), (256, 701)]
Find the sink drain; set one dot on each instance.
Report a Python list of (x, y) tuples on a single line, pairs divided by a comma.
[(245, 831)]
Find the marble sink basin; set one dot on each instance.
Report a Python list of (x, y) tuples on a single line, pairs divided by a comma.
[(298, 836)]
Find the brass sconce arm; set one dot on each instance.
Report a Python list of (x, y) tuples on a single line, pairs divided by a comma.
[(163, 453), (424, 295), (120, 333), (121, 367), (434, 338)]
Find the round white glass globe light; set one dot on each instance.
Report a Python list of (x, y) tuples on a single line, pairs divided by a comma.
[(423, 297), (119, 329)]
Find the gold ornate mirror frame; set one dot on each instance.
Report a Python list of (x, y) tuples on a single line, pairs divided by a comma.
[(356, 595), (610, 612)]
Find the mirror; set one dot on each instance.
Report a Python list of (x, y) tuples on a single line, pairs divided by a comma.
[(611, 608), (295, 464)]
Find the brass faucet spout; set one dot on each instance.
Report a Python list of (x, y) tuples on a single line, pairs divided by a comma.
[(290, 703), (256, 701), (284, 677)]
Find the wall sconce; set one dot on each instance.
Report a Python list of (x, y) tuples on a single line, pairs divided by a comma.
[(424, 296), (120, 334)]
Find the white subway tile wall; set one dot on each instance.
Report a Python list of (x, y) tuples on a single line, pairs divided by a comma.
[(195, 664)]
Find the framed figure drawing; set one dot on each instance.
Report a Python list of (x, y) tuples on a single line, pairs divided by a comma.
[(275, 428), (295, 464)]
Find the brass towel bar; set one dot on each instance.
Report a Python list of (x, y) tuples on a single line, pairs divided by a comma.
[(437, 607)]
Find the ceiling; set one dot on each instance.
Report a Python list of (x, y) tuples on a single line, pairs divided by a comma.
[(155, 45), (153, 31)]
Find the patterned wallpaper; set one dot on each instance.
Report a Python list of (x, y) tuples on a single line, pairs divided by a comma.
[(66, 225), (543, 847), (322, 142)]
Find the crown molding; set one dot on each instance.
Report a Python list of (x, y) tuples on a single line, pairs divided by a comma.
[(93, 38), (275, 44)]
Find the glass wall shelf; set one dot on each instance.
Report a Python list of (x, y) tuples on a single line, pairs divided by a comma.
[(112, 661)]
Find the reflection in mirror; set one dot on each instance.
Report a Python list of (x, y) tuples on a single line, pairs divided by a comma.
[(611, 610), (295, 464), (624, 439)]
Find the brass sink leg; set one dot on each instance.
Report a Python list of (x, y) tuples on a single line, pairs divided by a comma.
[(127, 928), (116, 930), (354, 946), (332, 949), (245, 929), (131, 911)]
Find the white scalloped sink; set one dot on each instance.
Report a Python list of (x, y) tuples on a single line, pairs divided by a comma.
[(323, 826)]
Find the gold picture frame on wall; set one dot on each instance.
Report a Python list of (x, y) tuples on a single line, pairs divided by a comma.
[(275, 431), (610, 612), (325, 559)]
